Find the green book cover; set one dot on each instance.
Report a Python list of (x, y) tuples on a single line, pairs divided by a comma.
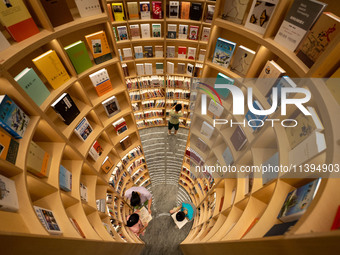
[(223, 79), (34, 87), (79, 56)]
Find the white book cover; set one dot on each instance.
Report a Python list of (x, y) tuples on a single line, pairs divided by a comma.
[(127, 53), (191, 53), (179, 224), (88, 7), (145, 28), (138, 51), (215, 108), (183, 32), (140, 69), (111, 106), (144, 10), (9, 197), (242, 60), (234, 10), (173, 9), (148, 68), (4, 44), (308, 148), (170, 51), (207, 130), (145, 216), (170, 67), (83, 129), (260, 15), (228, 156), (158, 51), (190, 69), (205, 34), (99, 77), (201, 56)]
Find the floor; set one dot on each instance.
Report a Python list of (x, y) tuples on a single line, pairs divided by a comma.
[(164, 155)]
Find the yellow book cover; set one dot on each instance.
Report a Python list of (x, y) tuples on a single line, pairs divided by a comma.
[(118, 11), (51, 67), (185, 10), (9, 17), (99, 46), (333, 84), (38, 161)]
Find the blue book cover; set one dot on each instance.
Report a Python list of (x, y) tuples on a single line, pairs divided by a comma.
[(224, 50), (284, 82), (65, 179), (223, 79), (255, 122), (297, 201), (12, 118)]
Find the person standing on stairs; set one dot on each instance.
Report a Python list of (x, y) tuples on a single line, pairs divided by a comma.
[(175, 114)]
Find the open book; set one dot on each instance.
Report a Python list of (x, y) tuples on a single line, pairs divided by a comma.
[(179, 224), (144, 215)]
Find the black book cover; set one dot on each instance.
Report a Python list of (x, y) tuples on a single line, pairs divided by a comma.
[(195, 11), (279, 229), (66, 108)]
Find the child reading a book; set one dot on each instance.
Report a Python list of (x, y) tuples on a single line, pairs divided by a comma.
[(175, 114), (185, 210), (139, 197), (135, 224)]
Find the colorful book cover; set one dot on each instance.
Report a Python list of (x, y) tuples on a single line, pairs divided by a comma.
[(138, 51), (324, 31), (157, 10), (242, 60), (96, 151), (33, 86), (79, 56), (122, 32), (51, 67), (156, 30), (53, 10), (115, 33), (144, 10), (107, 165), (148, 51), (83, 129), (88, 8), (38, 160), (182, 52), (65, 108), (134, 31), (193, 32), (234, 10), (12, 118), (9, 197), (99, 47), (111, 106), (8, 148), (48, 220), (118, 11), (17, 20), (101, 81), (222, 79), (133, 10), (224, 50)]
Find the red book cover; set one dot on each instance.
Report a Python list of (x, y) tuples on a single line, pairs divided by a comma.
[(221, 204), (336, 222), (22, 30), (157, 10), (250, 226), (120, 126)]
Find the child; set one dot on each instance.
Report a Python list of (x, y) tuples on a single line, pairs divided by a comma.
[(135, 225), (175, 114), (186, 210)]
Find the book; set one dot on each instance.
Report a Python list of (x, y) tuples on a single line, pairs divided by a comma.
[(318, 38), (242, 60), (65, 179), (111, 106), (83, 129), (306, 125), (65, 108), (333, 85), (170, 51), (8, 148), (221, 204), (252, 224), (280, 229), (298, 201), (38, 160), (156, 30), (158, 51), (109, 10), (336, 221), (134, 31), (207, 130), (148, 52), (125, 70), (268, 76), (9, 197), (248, 183), (12, 118), (122, 32), (145, 30), (133, 10), (159, 68), (255, 121), (224, 50), (222, 79), (88, 8), (181, 68), (238, 138), (83, 192), (182, 52), (179, 224), (79, 56), (101, 81), (51, 67), (269, 175), (205, 34), (144, 10), (77, 227), (308, 148), (172, 31), (148, 68), (48, 220), (298, 21), (234, 10), (283, 82), (183, 32), (157, 10), (107, 165), (201, 55), (120, 126), (99, 47), (196, 11), (53, 10), (191, 53), (140, 69), (17, 20), (260, 15), (228, 156), (144, 215), (127, 53), (193, 32), (201, 145), (120, 55), (185, 10), (138, 52), (33, 86), (118, 11), (125, 143), (215, 109), (173, 9), (95, 151), (170, 67), (4, 44), (190, 69), (210, 13)]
